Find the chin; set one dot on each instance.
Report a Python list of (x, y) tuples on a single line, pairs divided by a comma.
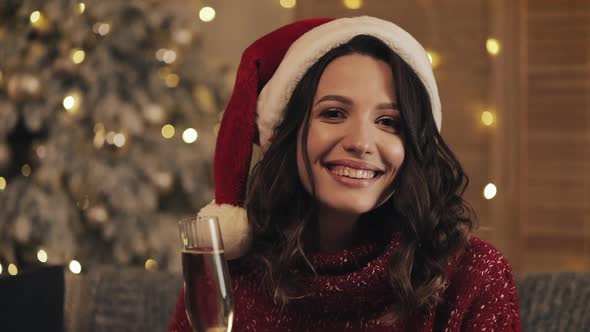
[(346, 207)]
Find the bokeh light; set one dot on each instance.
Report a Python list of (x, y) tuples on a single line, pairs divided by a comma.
[(190, 135), (151, 264), (353, 4), (171, 80), (207, 14), (168, 131), (77, 55), (75, 267), (487, 118), (493, 46), (490, 191), (42, 256), (36, 17), (71, 102), (288, 3), (119, 140)]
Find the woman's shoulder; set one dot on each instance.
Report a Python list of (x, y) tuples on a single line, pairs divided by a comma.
[(484, 252), (481, 260), (481, 291)]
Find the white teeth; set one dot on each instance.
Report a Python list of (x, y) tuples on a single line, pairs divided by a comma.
[(352, 173)]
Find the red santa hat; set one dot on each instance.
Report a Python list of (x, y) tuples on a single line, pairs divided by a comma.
[(267, 76)]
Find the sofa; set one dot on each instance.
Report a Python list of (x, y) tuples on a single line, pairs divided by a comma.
[(126, 299)]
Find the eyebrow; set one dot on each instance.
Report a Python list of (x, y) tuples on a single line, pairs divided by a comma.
[(348, 101)]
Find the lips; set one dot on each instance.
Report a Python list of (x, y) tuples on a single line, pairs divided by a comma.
[(353, 173)]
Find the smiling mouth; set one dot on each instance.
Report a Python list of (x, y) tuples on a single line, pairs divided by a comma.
[(353, 173)]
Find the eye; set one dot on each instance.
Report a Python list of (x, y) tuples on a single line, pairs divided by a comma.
[(332, 114), (390, 122)]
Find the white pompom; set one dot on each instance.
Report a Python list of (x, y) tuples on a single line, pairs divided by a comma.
[(235, 229)]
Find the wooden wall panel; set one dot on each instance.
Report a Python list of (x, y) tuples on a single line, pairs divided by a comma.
[(555, 233)]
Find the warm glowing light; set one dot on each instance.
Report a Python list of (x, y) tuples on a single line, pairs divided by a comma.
[(353, 4), (434, 58), (41, 151), (119, 140), (493, 46), (172, 80), (42, 256), (2, 183), (160, 54), (151, 264), (99, 135), (81, 7), (168, 131), (69, 102), (487, 118), (77, 55), (169, 56), (75, 267), (190, 135), (110, 138), (0, 268), (163, 72), (38, 20), (489, 191), (207, 14), (72, 102), (12, 269), (36, 16), (101, 28), (288, 3), (26, 170)]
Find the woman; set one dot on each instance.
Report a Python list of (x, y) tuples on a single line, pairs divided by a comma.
[(355, 216)]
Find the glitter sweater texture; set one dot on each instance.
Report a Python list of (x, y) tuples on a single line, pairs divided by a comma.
[(351, 294)]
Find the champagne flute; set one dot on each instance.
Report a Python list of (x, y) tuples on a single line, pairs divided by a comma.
[(207, 287)]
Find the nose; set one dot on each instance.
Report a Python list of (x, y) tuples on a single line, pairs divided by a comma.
[(358, 138)]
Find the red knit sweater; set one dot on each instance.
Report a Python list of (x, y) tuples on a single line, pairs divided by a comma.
[(351, 294)]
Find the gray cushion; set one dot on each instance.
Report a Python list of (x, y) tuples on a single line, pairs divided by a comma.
[(109, 299), (554, 302)]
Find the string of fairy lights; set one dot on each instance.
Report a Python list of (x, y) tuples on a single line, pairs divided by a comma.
[(73, 100)]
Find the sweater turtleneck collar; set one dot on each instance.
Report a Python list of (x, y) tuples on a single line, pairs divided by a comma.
[(350, 281)]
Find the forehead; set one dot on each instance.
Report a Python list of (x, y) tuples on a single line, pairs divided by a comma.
[(357, 76)]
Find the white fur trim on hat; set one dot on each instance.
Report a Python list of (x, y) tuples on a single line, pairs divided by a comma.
[(235, 229), (312, 45)]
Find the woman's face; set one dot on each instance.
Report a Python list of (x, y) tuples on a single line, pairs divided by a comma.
[(354, 145)]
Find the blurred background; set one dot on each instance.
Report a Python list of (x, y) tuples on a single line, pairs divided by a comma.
[(109, 111)]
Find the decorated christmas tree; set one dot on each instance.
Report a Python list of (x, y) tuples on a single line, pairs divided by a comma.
[(108, 112)]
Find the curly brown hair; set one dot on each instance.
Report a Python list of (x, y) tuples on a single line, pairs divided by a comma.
[(428, 208)]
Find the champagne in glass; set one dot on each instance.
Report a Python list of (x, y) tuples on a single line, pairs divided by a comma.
[(207, 287)]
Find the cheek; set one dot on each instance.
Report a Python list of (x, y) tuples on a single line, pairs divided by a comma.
[(394, 156)]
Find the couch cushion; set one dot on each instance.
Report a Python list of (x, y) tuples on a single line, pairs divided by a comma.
[(554, 302), (109, 299)]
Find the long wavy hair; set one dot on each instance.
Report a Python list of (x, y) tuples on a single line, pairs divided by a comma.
[(427, 207)]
